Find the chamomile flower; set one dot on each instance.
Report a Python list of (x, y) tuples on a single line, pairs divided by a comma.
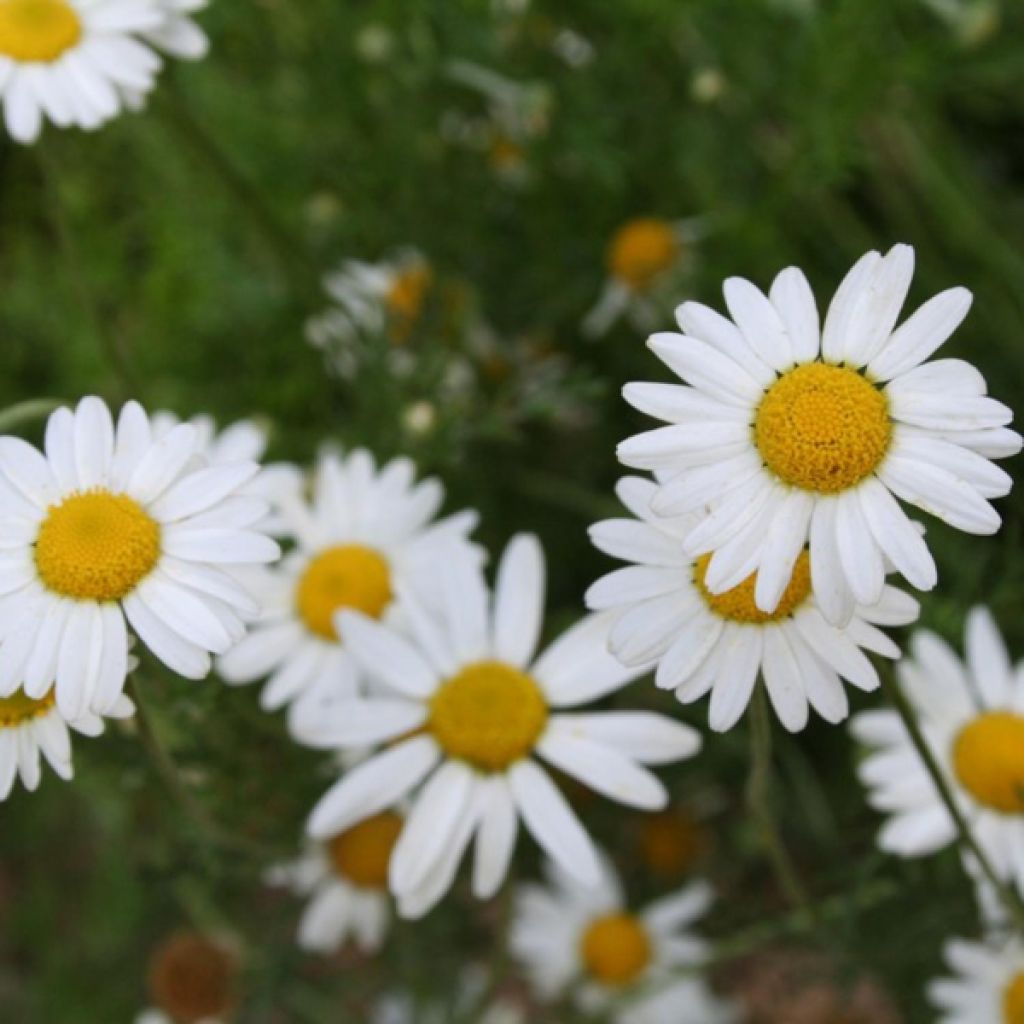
[(367, 537), (584, 940), (33, 726), (788, 435), (466, 710), (73, 62), (193, 979), (665, 612), (972, 716), (987, 986), (645, 257), (109, 525), (346, 881)]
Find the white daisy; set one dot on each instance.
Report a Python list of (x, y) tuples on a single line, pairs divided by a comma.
[(584, 940), (366, 539), (988, 986), (665, 613), (178, 34), (30, 726), (346, 881), (972, 716), (787, 435), (646, 257), (73, 62), (111, 524), (467, 707)]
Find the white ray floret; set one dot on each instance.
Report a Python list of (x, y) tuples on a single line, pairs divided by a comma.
[(467, 711), (787, 433), (665, 614), (111, 528)]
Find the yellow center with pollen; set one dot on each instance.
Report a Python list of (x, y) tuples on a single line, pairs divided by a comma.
[(19, 708), (1013, 1001), (988, 758), (616, 949), (641, 250), (347, 576), (823, 428), (738, 604), (96, 546), (406, 298), (489, 715), (361, 855), (37, 30)]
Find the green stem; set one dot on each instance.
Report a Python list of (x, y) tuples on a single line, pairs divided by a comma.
[(1011, 901), (759, 803), (25, 412), (294, 260)]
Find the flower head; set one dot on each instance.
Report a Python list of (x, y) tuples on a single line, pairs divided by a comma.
[(987, 986), (192, 980), (465, 709), (787, 434)]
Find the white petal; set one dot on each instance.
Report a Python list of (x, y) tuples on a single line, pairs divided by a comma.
[(740, 663), (759, 321), (496, 837), (640, 735), (792, 297), (519, 601), (386, 655)]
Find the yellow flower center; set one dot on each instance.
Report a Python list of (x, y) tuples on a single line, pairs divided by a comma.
[(671, 842), (823, 428), (1013, 1001), (641, 250), (19, 708), (37, 30), (347, 576), (738, 604), (616, 949), (96, 546), (193, 979), (361, 854), (406, 297), (988, 758), (490, 715)]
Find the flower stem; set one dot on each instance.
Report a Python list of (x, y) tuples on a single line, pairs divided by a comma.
[(24, 412), (760, 804), (1010, 899)]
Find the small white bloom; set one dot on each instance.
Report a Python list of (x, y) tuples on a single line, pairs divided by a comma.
[(465, 710), (74, 62), (988, 983), (584, 940), (720, 643), (366, 539), (112, 525), (345, 879), (972, 716), (788, 434)]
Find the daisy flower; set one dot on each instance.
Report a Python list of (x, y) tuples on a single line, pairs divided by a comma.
[(366, 538), (972, 716), (73, 62), (30, 726), (110, 525), (988, 983), (193, 979), (644, 257), (585, 940), (787, 435), (665, 612), (467, 709), (346, 880)]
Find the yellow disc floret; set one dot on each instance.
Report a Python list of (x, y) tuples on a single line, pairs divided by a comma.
[(1013, 1001), (96, 546), (490, 715), (738, 604), (641, 250), (616, 949), (406, 298), (19, 708), (37, 31), (348, 576), (988, 758), (823, 428), (361, 854)]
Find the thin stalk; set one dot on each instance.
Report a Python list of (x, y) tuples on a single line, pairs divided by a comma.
[(295, 262), (25, 412), (110, 351), (759, 802), (1011, 901)]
